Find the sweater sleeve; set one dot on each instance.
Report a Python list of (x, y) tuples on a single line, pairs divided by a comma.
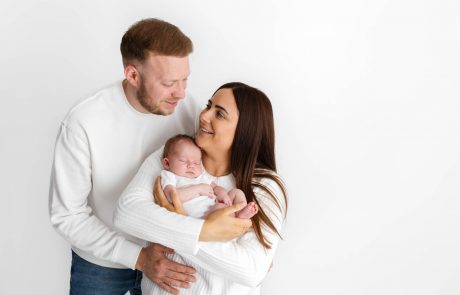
[(137, 214), (245, 260), (69, 211)]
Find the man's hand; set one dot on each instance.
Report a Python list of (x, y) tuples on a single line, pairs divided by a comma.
[(222, 226), (167, 274), (161, 199)]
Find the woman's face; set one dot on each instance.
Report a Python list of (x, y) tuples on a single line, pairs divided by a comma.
[(218, 123)]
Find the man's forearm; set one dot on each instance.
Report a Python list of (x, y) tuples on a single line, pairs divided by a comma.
[(89, 234)]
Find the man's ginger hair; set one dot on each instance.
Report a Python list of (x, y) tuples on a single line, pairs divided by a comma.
[(153, 36)]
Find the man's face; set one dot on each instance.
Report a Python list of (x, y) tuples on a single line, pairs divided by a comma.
[(163, 80)]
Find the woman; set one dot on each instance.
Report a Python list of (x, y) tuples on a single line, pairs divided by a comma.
[(236, 135)]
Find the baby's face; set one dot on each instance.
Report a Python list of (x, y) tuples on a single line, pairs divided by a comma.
[(185, 160)]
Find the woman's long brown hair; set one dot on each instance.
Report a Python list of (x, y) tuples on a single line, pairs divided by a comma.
[(253, 152)]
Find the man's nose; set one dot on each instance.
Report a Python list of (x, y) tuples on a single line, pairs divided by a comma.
[(179, 90)]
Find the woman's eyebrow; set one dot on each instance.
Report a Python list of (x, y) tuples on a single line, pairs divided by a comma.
[(221, 108), (217, 106)]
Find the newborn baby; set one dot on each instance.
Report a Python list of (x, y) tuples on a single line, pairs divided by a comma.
[(184, 172)]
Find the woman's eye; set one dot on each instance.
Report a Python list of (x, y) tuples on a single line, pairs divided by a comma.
[(208, 106), (219, 115)]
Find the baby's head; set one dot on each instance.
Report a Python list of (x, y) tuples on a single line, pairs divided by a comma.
[(182, 156)]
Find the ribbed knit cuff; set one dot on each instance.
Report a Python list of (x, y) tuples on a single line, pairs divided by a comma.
[(127, 254), (197, 237)]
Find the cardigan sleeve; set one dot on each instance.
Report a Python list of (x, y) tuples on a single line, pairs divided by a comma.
[(137, 214), (245, 260)]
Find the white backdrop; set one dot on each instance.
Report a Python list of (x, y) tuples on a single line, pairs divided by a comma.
[(366, 98)]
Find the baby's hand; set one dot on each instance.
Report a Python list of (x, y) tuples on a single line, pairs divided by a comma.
[(225, 199), (206, 190)]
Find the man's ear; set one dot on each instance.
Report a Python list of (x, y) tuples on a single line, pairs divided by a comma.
[(165, 163), (132, 75)]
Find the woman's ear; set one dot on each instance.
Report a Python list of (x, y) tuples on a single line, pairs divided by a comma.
[(165, 163)]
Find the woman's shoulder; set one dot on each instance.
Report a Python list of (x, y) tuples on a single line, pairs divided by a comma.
[(269, 179)]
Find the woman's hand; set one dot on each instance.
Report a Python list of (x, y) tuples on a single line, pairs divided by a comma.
[(161, 200), (221, 225)]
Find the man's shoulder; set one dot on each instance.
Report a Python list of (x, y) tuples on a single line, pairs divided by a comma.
[(94, 105)]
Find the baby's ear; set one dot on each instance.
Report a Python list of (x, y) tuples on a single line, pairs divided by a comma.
[(165, 163)]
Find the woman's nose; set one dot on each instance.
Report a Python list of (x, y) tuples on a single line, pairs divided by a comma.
[(204, 116)]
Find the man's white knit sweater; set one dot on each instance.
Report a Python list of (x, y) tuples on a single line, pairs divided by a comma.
[(100, 145)]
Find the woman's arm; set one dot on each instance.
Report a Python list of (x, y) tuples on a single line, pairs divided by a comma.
[(245, 260), (138, 214)]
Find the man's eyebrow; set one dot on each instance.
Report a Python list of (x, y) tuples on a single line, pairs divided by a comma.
[(175, 79)]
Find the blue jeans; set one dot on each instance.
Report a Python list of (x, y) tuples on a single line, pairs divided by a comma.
[(87, 278)]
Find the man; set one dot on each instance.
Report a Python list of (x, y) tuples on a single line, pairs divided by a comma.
[(100, 145)]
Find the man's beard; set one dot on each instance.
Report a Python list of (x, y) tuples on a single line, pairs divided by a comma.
[(141, 95)]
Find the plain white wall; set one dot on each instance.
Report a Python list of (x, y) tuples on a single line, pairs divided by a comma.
[(366, 97)]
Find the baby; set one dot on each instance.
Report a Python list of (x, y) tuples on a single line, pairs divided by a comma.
[(184, 172)]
